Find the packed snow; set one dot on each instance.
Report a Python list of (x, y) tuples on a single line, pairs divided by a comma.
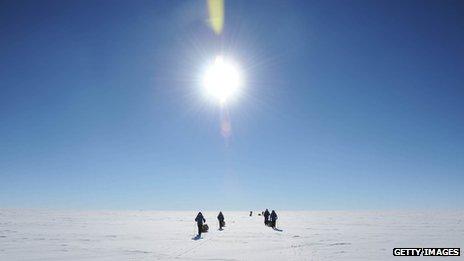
[(166, 235)]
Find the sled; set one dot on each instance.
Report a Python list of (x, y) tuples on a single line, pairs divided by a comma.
[(204, 228)]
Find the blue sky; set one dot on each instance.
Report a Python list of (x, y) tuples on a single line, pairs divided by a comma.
[(347, 105)]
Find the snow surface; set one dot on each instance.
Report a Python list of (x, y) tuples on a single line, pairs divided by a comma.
[(165, 235)]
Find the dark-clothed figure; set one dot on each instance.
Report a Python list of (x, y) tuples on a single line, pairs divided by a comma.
[(200, 220), (251, 213), (220, 218), (266, 217), (273, 219)]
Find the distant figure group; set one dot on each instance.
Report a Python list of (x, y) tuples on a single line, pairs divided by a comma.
[(270, 218), (203, 228)]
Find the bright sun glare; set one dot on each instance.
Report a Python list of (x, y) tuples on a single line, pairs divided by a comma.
[(222, 80)]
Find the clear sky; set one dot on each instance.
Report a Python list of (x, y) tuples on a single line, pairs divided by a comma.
[(347, 105)]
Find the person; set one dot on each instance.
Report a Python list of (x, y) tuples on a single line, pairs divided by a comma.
[(251, 213), (220, 217), (273, 219), (200, 220), (266, 217)]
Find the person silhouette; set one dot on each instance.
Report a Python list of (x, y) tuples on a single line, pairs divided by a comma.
[(220, 218), (200, 220), (266, 217), (273, 219)]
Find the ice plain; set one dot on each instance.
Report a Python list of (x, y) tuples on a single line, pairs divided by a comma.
[(28, 235)]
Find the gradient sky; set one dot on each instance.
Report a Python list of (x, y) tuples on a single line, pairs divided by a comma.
[(347, 105)]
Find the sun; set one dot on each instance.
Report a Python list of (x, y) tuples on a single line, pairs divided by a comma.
[(222, 80)]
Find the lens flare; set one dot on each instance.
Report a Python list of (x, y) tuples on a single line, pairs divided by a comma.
[(216, 15), (222, 80)]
